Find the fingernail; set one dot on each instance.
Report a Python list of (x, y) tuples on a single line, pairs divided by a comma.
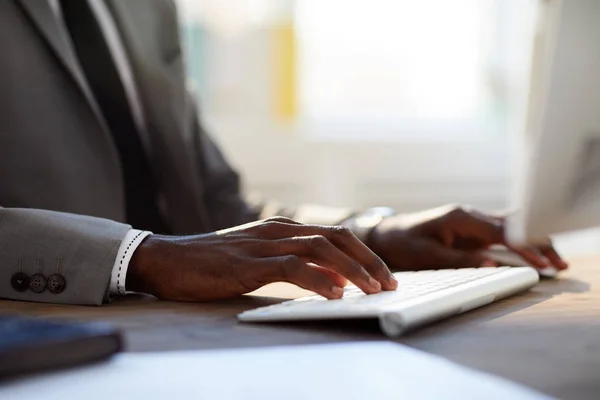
[(374, 284), (546, 262), (392, 280), (338, 291), (563, 265)]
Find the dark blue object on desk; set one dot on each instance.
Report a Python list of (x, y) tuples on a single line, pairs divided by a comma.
[(30, 345)]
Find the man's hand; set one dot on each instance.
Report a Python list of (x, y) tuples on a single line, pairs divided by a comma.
[(449, 237), (242, 259)]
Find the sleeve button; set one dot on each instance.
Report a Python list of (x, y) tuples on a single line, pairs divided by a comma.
[(20, 281), (56, 283), (37, 283)]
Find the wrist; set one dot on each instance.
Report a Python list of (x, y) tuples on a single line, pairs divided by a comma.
[(373, 239), (142, 272), (363, 224)]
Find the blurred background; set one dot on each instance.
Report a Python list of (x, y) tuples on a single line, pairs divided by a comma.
[(410, 104)]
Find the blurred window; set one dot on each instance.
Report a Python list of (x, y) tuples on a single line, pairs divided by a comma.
[(401, 68), (369, 69)]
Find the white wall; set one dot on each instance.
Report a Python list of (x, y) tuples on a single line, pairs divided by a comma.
[(406, 174), (295, 165)]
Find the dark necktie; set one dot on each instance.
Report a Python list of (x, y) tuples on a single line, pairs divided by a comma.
[(106, 84)]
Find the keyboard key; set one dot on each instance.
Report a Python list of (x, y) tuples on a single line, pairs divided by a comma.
[(410, 285)]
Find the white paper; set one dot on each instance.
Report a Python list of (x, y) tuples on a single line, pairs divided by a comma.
[(365, 371)]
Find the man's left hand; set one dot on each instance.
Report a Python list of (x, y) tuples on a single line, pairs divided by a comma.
[(450, 237)]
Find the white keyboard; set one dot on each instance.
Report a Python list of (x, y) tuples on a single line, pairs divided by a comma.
[(421, 297)]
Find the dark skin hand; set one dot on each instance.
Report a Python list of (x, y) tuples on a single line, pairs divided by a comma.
[(450, 237), (242, 259), (239, 260)]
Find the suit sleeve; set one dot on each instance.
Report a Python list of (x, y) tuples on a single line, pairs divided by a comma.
[(86, 246)]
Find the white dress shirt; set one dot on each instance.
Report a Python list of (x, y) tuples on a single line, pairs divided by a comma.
[(130, 243), (134, 237)]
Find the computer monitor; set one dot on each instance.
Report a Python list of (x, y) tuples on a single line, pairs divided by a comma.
[(558, 187)]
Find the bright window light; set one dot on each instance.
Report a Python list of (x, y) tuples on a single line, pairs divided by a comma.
[(393, 62), (364, 69)]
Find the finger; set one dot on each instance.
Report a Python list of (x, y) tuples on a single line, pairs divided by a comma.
[(336, 278), (265, 224), (474, 225), (284, 220), (294, 270), (272, 228), (344, 240), (322, 252), (552, 255), (491, 227), (531, 256), (489, 263), (277, 228)]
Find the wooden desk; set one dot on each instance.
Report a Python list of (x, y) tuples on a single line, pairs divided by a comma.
[(548, 338)]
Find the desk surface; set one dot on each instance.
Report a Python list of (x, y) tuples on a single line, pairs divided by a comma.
[(548, 338)]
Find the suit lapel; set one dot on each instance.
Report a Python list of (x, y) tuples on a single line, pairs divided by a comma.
[(42, 16)]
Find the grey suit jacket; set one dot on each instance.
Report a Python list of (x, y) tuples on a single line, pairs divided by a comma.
[(61, 185)]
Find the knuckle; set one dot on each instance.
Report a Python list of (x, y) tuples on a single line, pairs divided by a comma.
[(458, 211), (280, 219), (270, 225), (291, 259), (317, 242), (341, 231)]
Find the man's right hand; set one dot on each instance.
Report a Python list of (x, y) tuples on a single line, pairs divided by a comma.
[(239, 260)]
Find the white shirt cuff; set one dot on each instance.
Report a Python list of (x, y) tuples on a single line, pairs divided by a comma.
[(130, 243)]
